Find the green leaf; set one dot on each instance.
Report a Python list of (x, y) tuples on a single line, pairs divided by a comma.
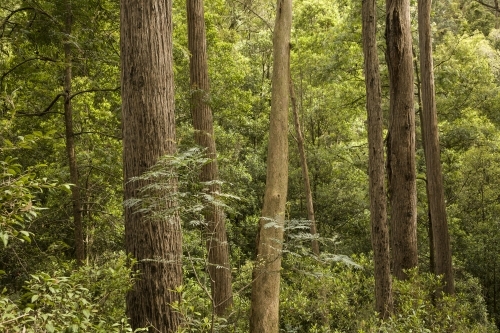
[(49, 327), (34, 298), (5, 239)]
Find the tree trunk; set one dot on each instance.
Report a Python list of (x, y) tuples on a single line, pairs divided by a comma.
[(401, 140), (70, 140), (148, 133), (305, 170), (264, 317), (378, 201), (420, 112), (218, 252), (430, 134)]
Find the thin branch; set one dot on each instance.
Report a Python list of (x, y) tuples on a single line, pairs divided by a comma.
[(92, 90), (13, 319), (100, 133), (496, 9), (13, 12), (4, 23), (245, 6), (44, 112), (22, 63)]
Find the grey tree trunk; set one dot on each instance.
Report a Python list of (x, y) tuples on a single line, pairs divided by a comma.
[(430, 134), (70, 140), (305, 170), (401, 141), (264, 316), (378, 201), (218, 252), (148, 133)]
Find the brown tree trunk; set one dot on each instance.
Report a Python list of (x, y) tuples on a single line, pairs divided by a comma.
[(430, 134), (218, 252), (70, 140), (264, 317), (401, 141), (148, 133), (305, 170), (378, 201), (429, 217)]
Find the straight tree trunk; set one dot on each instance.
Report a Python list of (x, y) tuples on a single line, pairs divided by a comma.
[(420, 112), (70, 140), (149, 133), (401, 141), (430, 134), (305, 170), (378, 201), (264, 316), (218, 253)]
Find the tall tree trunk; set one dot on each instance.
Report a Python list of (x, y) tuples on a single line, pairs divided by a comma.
[(378, 201), (305, 170), (70, 140), (401, 141), (264, 317), (430, 134), (218, 252), (148, 133), (420, 112)]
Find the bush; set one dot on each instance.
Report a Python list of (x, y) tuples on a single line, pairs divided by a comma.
[(88, 299)]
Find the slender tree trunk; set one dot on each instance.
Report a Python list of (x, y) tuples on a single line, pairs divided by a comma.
[(430, 134), (378, 201), (148, 133), (305, 170), (70, 140), (401, 141), (218, 252), (420, 112), (264, 317)]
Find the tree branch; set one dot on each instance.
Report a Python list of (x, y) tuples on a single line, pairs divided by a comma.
[(22, 63), (92, 90), (100, 133), (496, 9), (44, 112)]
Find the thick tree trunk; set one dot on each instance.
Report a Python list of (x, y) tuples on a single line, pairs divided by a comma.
[(70, 140), (378, 201), (218, 252), (148, 133), (264, 317), (401, 141), (305, 170), (430, 134)]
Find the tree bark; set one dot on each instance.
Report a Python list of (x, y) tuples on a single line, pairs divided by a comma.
[(218, 253), (264, 317), (430, 134), (305, 170), (70, 140), (148, 133), (401, 140), (378, 201)]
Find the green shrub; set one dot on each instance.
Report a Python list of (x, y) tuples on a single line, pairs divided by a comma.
[(88, 299)]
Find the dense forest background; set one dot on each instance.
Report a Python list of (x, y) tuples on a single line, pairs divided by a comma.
[(51, 283)]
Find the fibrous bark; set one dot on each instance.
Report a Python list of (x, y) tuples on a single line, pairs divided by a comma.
[(401, 140), (218, 251), (430, 134), (378, 198), (148, 133)]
